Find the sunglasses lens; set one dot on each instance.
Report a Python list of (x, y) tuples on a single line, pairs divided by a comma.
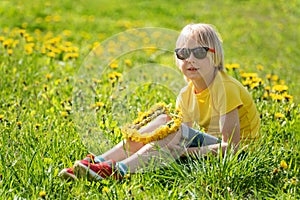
[(182, 53), (199, 52)]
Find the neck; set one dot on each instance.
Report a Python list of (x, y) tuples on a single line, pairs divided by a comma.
[(204, 82)]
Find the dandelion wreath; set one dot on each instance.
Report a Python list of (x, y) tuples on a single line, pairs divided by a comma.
[(131, 131)]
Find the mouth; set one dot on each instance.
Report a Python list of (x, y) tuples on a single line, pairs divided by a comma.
[(193, 69)]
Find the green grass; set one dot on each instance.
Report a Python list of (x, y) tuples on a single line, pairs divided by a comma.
[(45, 127)]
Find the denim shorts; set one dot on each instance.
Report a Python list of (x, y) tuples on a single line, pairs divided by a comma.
[(195, 138)]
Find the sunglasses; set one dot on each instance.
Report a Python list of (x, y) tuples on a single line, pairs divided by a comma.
[(199, 52)]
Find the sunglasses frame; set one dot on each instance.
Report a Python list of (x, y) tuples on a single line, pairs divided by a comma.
[(193, 51)]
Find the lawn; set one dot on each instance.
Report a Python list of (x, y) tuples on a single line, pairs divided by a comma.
[(73, 72)]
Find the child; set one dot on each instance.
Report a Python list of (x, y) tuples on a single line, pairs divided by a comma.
[(215, 101)]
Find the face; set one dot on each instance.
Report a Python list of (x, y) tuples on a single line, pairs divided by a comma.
[(194, 68)]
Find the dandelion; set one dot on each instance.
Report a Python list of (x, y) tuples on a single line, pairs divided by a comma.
[(24, 25), (269, 76), (126, 176), (294, 181), (51, 54), (105, 189), (280, 88), (279, 115), (283, 164), (19, 124), (22, 32), (287, 96), (114, 65), (42, 194), (9, 52), (37, 126), (259, 67), (267, 88), (1, 117), (128, 63), (276, 97), (64, 114), (67, 33), (249, 75), (57, 81), (7, 43), (275, 78), (48, 76), (99, 104)]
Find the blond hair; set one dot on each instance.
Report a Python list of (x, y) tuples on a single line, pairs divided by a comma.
[(207, 36)]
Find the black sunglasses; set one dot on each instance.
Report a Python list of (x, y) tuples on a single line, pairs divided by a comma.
[(199, 52)]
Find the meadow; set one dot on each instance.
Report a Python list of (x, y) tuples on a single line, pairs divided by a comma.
[(73, 72)]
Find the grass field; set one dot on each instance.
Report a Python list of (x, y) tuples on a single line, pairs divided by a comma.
[(72, 72)]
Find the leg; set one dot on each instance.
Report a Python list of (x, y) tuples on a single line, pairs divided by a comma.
[(127, 148), (122, 150), (167, 148)]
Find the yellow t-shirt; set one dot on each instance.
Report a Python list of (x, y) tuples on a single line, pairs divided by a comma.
[(222, 96)]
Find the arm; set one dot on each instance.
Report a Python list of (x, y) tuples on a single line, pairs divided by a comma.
[(230, 129)]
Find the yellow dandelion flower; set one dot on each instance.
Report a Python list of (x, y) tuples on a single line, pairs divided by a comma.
[(283, 164), (247, 82), (15, 43), (57, 81), (68, 56), (1, 117), (275, 78), (279, 115), (265, 96), (75, 55), (235, 66), (56, 18), (29, 39), (99, 104), (22, 32), (287, 96), (128, 62), (269, 76), (126, 176), (7, 43), (2, 38), (42, 194), (254, 85), (294, 181), (114, 65), (37, 126), (259, 67), (67, 33), (24, 25), (267, 88), (249, 75), (105, 189), (51, 54), (280, 88), (276, 97), (19, 124), (48, 76), (64, 114), (111, 76), (10, 52)]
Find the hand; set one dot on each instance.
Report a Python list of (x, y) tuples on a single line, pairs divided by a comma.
[(154, 124)]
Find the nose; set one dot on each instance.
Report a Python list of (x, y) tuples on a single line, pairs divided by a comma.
[(191, 58)]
